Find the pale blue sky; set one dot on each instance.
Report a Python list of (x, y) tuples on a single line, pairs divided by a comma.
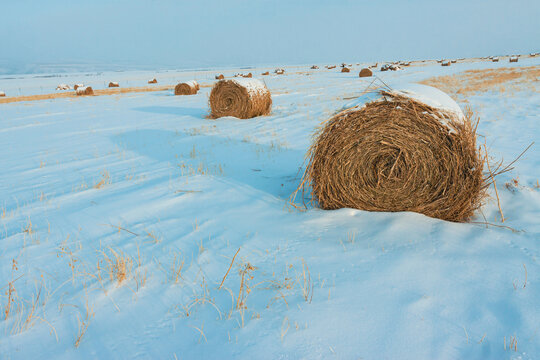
[(204, 33)]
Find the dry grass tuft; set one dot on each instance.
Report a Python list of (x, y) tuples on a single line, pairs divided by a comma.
[(474, 81)]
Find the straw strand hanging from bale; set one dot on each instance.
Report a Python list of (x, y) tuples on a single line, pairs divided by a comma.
[(187, 88), (397, 154), (241, 98)]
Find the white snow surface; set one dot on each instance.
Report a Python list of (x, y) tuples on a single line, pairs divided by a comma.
[(149, 177)]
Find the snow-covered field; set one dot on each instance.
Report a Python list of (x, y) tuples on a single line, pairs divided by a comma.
[(143, 186)]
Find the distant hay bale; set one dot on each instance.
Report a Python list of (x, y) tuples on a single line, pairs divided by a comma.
[(186, 88), (113, 84), (453, 61), (2, 94), (63, 87), (345, 70), (220, 77), (241, 98), (249, 75), (495, 59), (365, 72), (84, 91), (76, 86), (445, 63), (397, 153), (513, 59), (279, 71), (152, 81), (266, 73), (314, 67), (330, 67)]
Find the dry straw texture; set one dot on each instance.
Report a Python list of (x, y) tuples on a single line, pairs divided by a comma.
[(187, 88), (365, 72), (396, 155), (84, 90), (242, 99)]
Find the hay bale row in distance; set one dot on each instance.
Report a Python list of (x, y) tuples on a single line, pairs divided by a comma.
[(152, 81), (241, 98), (446, 63), (365, 72), (84, 91), (187, 88), (392, 67), (113, 84), (63, 87), (410, 150)]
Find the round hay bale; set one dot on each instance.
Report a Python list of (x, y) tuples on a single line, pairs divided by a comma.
[(249, 75), (113, 84), (63, 87), (241, 98), (2, 94), (314, 67), (76, 86), (345, 70), (152, 81), (446, 63), (187, 88), (266, 73), (365, 72), (513, 59), (220, 77), (410, 150), (84, 91), (279, 71), (495, 59)]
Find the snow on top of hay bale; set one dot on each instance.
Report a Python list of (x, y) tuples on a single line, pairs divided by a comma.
[(253, 86), (513, 59), (63, 87), (113, 84), (152, 81), (76, 86), (425, 94), (2, 93), (84, 90)]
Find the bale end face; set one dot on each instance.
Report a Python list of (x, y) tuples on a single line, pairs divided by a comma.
[(187, 88), (394, 155), (241, 98), (365, 72)]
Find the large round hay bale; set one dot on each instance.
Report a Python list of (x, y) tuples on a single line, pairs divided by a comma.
[(84, 90), (241, 98), (186, 88), (113, 84), (2, 94), (410, 150), (365, 72)]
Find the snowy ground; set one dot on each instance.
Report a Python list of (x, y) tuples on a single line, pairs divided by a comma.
[(147, 177)]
